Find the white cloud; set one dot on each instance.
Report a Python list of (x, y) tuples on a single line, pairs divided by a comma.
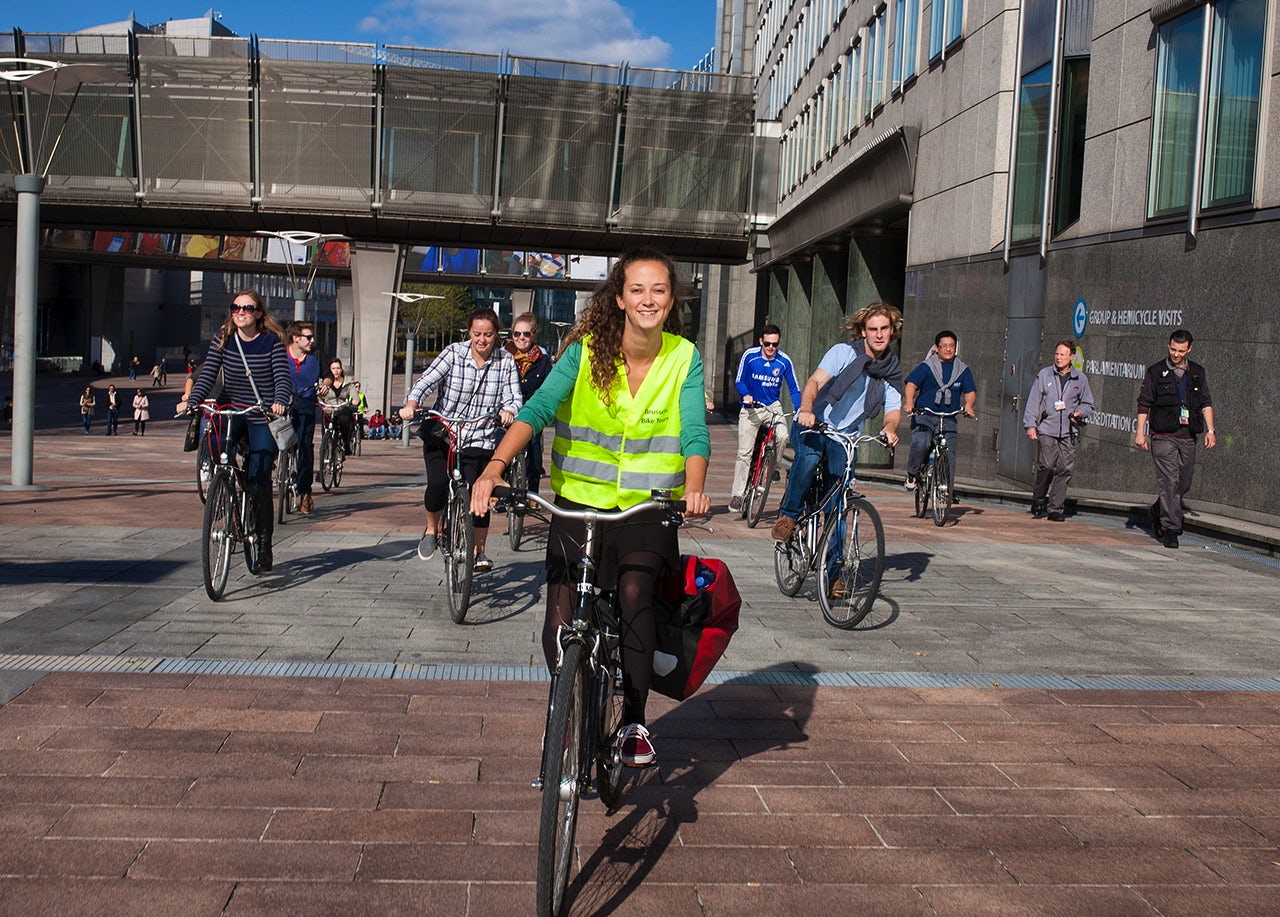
[(595, 31)]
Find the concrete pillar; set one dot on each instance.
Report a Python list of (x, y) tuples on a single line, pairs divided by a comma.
[(376, 270), (344, 344)]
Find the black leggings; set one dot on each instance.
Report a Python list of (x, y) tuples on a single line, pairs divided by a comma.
[(637, 573)]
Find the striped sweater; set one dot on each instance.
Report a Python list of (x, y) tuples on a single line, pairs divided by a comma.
[(268, 361)]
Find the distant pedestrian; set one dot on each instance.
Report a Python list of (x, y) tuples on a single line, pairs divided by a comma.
[(134, 365), (1058, 405), (141, 413), (155, 375), (113, 411), (164, 371), (1174, 407), (86, 408)]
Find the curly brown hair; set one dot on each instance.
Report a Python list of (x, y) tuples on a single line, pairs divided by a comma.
[(604, 321), (856, 323)]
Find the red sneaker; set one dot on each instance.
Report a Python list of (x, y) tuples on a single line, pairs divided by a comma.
[(637, 751)]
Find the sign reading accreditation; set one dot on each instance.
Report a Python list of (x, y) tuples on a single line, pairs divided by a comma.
[(1080, 320)]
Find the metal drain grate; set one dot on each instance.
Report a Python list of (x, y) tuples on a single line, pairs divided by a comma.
[(430, 672)]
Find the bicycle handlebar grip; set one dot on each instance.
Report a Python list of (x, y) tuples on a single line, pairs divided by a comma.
[(501, 490)]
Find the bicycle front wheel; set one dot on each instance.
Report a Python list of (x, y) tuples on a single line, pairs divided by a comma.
[(459, 548), (339, 460), (519, 481), (324, 469), (762, 480), (942, 481), (852, 553), (562, 781), (217, 535)]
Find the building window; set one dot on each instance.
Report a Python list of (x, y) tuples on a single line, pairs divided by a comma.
[(1033, 144), (906, 23), (876, 41), (1070, 172), (1232, 107), (946, 24)]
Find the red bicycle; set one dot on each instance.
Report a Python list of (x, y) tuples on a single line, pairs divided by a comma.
[(764, 465), (457, 536)]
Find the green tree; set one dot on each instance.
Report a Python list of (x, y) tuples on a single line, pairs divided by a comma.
[(434, 322)]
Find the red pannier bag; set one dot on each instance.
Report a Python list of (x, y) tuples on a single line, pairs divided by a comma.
[(696, 611)]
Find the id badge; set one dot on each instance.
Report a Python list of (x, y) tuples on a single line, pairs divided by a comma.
[(1184, 416), (1059, 405)]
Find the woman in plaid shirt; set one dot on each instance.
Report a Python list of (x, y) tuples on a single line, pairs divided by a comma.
[(472, 377)]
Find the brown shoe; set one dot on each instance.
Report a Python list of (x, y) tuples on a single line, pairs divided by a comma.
[(840, 590), (305, 505), (783, 528)]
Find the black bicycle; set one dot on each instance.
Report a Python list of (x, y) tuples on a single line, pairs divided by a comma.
[(287, 496), (585, 712), (840, 537), (935, 484), (457, 536), (230, 509), (518, 476), (332, 457)]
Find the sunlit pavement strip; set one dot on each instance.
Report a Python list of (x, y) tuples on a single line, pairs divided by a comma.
[(173, 666)]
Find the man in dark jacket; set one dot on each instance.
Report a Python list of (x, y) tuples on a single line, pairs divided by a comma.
[(1174, 406)]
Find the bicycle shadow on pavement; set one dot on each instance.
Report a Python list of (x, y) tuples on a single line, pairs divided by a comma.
[(739, 724), (910, 564)]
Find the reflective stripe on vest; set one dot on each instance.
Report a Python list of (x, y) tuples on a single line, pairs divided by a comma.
[(615, 455)]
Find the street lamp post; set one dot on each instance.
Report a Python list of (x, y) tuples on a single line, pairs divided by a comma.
[(302, 290), (409, 346), (30, 161)]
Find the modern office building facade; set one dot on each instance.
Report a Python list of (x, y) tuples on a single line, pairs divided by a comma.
[(1024, 173)]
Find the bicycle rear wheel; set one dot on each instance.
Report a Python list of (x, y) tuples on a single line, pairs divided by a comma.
[(204, 468), (924, 483), (458, 550), (519, 481), (609, 767), (942, 479), (758, 488), (217, 535), (284, 483), (852, 565), (249, 527), (324, 467), (562, 781)]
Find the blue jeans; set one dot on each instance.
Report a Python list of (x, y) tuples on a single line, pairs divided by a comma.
[(304, 424), (922, 438), (811, 449)]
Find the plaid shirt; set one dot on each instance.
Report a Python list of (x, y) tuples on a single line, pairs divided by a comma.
[(458, 380)]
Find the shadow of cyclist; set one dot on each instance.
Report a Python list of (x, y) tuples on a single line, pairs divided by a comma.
[(737, 732)]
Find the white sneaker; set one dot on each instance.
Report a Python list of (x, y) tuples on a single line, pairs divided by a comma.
[(910, 483)]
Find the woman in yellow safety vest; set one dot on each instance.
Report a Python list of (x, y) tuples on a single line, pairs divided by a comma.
[(626, 397)]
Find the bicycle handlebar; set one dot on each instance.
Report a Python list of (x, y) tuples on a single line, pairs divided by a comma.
[(211, 407), (675, 507), (943, 414)]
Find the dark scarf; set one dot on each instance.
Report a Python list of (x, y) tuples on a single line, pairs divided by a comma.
[(887, 369), (524, 361)]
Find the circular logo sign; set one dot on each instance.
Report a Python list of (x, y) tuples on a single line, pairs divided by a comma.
[(1080, 318)]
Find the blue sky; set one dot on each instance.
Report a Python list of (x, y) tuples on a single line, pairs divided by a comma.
[(649, 33)]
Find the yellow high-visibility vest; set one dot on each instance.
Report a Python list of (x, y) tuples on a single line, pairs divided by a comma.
[(616, 454)]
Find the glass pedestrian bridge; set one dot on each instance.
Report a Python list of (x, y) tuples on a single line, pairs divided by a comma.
[(395, 144)]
